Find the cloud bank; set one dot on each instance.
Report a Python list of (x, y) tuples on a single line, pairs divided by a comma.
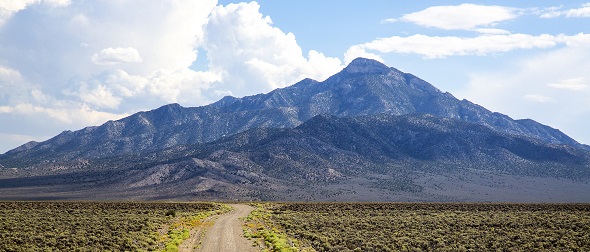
[(432, 47)]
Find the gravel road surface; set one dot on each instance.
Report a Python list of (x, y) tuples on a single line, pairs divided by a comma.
[(226, 234)]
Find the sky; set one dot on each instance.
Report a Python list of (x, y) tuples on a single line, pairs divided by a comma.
[(68, 64)]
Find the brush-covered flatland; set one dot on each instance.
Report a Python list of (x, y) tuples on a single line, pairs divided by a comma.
[(99, 226), (421, 227), (152, 226)]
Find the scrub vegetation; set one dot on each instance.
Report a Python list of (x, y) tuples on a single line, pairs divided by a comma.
[(99, 226), (134, 226), (421, 227)]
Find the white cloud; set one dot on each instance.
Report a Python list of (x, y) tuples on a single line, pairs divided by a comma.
[(114, 56), (58, 2), (9, 7), (79, 116), (72, 61), (87, 38), (14, 87), (99, 96), (552, 14), (22, 98), (359, 51), (253, 56), (461, 17), (26, 122), (124, 84), (441, 47), (119, 88), (389, 20), (492, 31), (582, 12), (184, 86), (538, 98), (9, 76), (578, 40), (573, 84), (39, 97), (15, 5), (320, 67)]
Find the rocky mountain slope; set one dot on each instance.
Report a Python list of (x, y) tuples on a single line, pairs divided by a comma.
[(325, 158), (369, 132), (365, 87)]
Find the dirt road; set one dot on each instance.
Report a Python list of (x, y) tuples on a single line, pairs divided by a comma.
[(226, 234)]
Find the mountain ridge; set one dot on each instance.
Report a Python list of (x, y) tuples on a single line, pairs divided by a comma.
[(369, 132), (376, 153), (364, 87)]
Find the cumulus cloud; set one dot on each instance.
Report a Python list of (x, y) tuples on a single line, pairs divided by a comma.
[(69, 64), (86, 38), (69, 53), (119, 90), (582, 12), (22, 98), (99, 96), (114, 56), (441, 47), (27, 113), (253, 56), (460, 17), (9, 7)]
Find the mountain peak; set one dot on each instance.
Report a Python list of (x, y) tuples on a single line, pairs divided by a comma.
[(171, 106), (364, 87), (366, 66)]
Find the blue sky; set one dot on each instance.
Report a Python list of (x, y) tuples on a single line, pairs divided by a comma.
[(69, 64)]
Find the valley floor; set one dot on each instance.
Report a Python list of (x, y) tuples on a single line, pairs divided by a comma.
[(86, 226), (456, 186), (422, 226)]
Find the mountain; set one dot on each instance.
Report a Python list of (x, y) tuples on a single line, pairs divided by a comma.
[(365, 87), (352, 145), (328, 158), (370, 132)]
